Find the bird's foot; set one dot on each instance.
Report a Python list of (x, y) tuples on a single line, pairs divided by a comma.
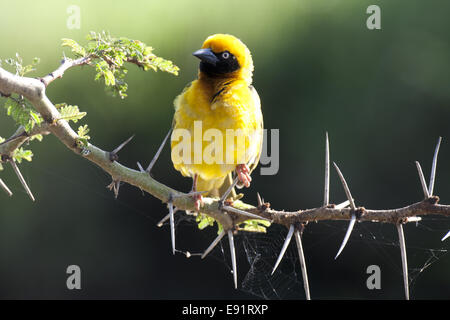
[(243, 173), (198, 198)]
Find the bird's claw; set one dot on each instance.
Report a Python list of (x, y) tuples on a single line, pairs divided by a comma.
[(198, 198), (243, 173)]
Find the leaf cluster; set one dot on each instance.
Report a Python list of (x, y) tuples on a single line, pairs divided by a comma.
[(108, 56)]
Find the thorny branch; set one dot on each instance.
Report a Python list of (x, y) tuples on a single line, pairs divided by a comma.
[(34, 90), (66, 63)]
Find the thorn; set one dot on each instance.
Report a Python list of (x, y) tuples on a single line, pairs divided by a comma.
[(326, 197), (113, 154), (5, 187), (347, 235), (225, 195), (152, 163), (283, 249), (245, 213), (412, 219), (342, 205), (433, 167), (213, 244), (260, 202), (116, 189), (233, 257), (401, 239), (446, 236), (140, 167), (352, 205), (422, 180), (344, 184), (301, 256), (172, 225), (21, 179), (166, 217)]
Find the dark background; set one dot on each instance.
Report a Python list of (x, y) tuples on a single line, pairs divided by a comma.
[(382, 95)]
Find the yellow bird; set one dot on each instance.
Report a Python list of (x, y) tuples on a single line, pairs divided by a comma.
[(218, 123)]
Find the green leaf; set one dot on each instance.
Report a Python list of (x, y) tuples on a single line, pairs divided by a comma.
[(20, 69), (255, 225), (36, 117), (83, 136), (71, 113), (76, 48), (219, 228), (22, 112), (37, 137), (204, 221), (110, 80), (21, 154)]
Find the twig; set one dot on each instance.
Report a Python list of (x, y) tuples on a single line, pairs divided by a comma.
[(66, 63), (14, 142)]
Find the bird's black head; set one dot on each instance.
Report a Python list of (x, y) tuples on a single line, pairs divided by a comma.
[(216, 64)]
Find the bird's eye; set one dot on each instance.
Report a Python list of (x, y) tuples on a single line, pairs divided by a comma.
[(225, 55)]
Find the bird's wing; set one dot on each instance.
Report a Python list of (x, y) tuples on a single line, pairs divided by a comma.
[(258, 134), (253, 163)]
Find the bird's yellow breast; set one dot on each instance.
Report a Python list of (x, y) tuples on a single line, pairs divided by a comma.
[(222, 109)]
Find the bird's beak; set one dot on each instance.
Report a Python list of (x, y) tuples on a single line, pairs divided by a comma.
[(206, 55)]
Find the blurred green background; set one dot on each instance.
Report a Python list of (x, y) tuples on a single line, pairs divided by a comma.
[(382, 95)]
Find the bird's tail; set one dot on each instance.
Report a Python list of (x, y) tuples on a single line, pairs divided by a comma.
[(217, 187), (210, 187)]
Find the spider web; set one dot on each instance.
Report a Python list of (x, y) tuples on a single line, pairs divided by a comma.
[(379, 240), (423, 245), (262, 250)]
